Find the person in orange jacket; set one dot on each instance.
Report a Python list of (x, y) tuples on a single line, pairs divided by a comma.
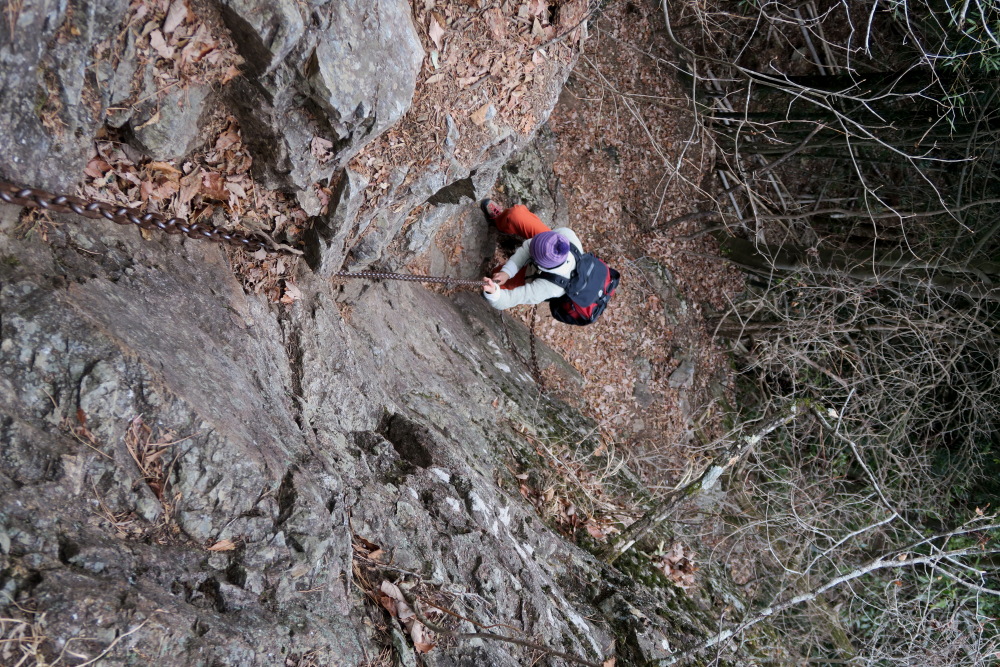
[(545, 249)]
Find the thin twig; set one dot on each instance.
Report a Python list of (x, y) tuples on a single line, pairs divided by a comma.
[(412, 601), (114, 643), (798, 149), (469, 620)]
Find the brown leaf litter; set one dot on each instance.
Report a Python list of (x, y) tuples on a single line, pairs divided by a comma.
[(629, 160), (484, 71), (187, 44), (214, 184)]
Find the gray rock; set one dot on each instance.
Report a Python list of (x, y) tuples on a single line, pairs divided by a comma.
[(166, 127), (119, 80), (366, 66), (265, 32), (347, 81), (683, 375), (280, 134), (453, 135), (448, 185), (325, 243), (640, 391), (404, 649), (445, 180), (377, 232), (46, 124), (454, 237), (421, 233), (528, 179), (270, 456)]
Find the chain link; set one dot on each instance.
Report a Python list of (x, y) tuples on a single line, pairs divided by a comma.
[(532, 364), (409, 277), (124, 215)]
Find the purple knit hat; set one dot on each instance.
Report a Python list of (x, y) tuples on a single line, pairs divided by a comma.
[(549, 250)]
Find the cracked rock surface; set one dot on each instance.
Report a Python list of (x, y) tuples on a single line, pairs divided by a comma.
[(186, 467), (293, 428)]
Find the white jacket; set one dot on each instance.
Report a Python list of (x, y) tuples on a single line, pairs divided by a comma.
[(534, 291)]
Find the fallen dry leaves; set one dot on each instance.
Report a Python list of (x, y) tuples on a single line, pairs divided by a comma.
[(677, 565), (188, 47), (147, 449), (483, 75), (215, 185), (147, 452), (223, 545), (392, 600), (629, 159), (367, 557), (570, 490), (185, 47), (622, 129)]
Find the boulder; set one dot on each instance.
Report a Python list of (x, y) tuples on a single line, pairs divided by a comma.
[(528, 178), (265, 32), (362, 77), (346, 81), (683, 375), (166, 126), (325, 242)]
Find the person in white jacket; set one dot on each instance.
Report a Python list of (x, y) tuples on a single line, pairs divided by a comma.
[(545, 249)]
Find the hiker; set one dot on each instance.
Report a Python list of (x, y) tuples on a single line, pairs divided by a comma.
[(550, 266), (513, 284)]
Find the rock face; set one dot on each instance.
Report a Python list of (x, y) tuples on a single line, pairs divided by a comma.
[(292, 429), (347, 78), (351, 79), (528, 179), (188, 471), (454, 222), (50, 100)]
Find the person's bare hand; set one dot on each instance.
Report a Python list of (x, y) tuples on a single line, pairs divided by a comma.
[(500, 277), (489, 286)]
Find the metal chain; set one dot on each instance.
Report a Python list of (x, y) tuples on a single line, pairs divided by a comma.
[(536, 371), (409, 277), (124, 215)]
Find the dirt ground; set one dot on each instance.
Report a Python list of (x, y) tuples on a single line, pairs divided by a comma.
[(630, 161)]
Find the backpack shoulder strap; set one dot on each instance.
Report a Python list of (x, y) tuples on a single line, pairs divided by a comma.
[(553, 278), (556, 278)]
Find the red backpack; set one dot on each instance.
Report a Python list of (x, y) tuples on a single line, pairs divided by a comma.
[(588, 289)]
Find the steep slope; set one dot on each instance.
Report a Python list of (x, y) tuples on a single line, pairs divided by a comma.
[(194, 473)]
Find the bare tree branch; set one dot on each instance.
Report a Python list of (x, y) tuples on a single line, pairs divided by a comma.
[(723, 462), (894, 561)]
